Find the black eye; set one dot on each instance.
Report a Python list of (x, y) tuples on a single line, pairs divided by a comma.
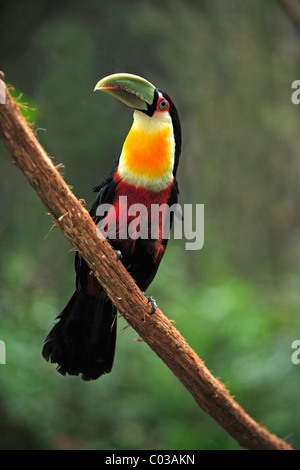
[(163, 104)]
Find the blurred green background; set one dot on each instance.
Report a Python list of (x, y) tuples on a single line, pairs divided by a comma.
[(229, 67)]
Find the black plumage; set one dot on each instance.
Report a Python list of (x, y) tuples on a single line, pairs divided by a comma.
[(84, 337)]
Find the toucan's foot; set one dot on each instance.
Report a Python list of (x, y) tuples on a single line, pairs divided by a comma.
[(153, 303), (119, 255)]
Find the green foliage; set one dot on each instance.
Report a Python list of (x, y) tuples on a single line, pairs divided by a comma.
[(28, 109), (229, 68)]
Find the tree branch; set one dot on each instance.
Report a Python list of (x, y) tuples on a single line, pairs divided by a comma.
[(156, 330), (292, 8)]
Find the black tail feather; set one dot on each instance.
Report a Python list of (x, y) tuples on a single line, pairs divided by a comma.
[(83, 340)]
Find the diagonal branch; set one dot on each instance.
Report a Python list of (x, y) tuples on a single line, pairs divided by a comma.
[(292, 8), (156, 330)]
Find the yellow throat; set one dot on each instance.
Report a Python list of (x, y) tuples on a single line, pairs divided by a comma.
[(147, 156)]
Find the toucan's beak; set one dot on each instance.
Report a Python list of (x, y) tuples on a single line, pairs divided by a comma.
[(133, 90)]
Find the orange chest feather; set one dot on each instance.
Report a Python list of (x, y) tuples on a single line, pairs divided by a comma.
[(148, 154)]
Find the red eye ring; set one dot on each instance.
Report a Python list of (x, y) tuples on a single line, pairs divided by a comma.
[(163, 104)]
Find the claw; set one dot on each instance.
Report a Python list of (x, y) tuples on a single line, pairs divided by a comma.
[(153, 303), (119, 255)]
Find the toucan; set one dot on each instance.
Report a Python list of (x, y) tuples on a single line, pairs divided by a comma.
[(82, 341)]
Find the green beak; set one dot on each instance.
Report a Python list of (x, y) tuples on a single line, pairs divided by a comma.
[(133, 90)]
